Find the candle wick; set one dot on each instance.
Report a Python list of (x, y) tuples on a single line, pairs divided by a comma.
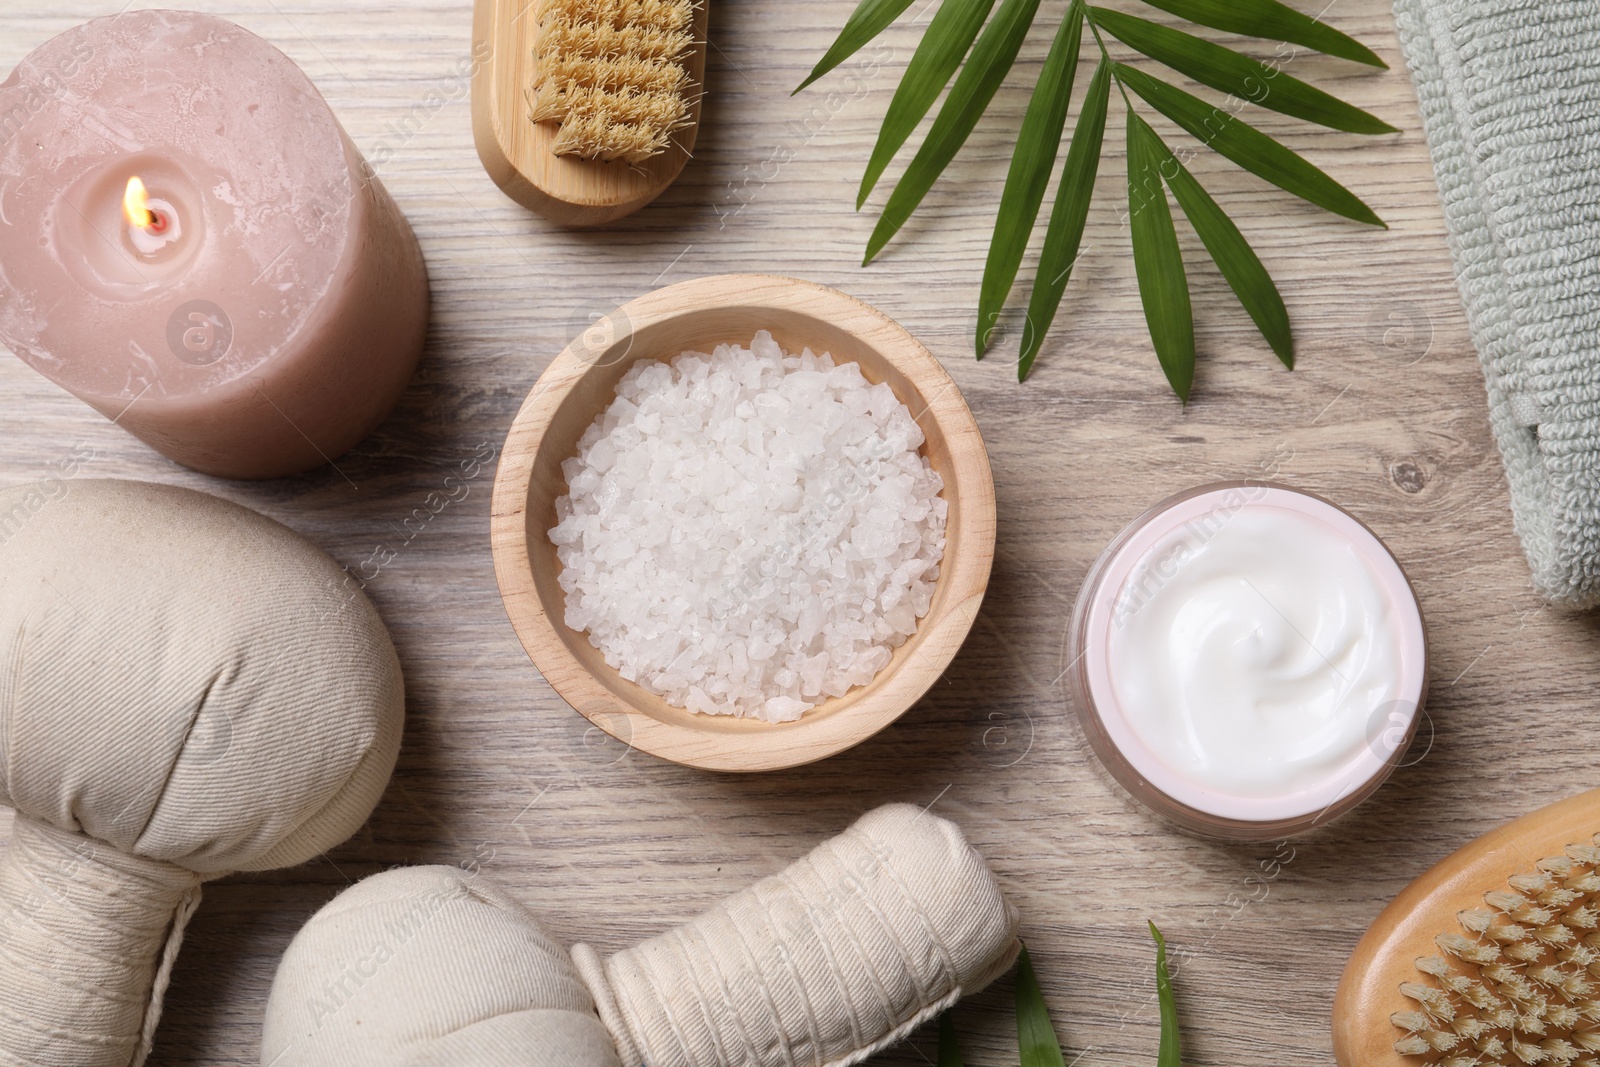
[(157, 223)]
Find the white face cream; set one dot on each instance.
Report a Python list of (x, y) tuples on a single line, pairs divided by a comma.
[(1252, 653), (1248, 652)]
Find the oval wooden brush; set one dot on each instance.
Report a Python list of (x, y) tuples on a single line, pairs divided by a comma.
[(586, 110), (1490, 958)]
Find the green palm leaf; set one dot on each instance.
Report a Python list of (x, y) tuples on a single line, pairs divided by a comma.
[(1037, 145), (1163, 287), (1036, 1037), (975, 86), (1233, 255), (1247, 146), (1273, 21), (1229, 72), (990, 34), (949, 1051), (1064, 235), (870, 18), (947, 40), (1170, 1054)]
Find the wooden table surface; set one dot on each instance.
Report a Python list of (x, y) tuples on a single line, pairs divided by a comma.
[(1386, 414)]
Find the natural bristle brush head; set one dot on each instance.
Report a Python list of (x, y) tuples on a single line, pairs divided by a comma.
[(1514, 986), (612, 74), (587, 110), (1491, 959)]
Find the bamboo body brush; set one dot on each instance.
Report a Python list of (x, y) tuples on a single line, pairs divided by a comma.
[(586, 110), (1490, 958)]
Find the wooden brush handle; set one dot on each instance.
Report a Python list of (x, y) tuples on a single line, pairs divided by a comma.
[(1369, 992)]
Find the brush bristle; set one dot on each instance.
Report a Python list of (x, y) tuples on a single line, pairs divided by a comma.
[(1521, 986), (612, 73)]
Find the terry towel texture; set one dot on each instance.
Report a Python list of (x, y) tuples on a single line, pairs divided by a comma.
[(1510, 95)]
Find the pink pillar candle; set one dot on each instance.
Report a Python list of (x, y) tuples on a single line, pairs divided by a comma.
[(265, 310)]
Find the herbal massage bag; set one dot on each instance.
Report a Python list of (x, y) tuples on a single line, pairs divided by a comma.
[(846, 951), (186, 689)]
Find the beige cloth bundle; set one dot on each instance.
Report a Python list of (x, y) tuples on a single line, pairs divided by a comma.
[(186, 689), (845, 952)]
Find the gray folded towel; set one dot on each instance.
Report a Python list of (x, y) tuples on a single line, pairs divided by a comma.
[(1510, 94)]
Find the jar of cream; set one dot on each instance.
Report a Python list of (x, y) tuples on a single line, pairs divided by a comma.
[(1248, 660)]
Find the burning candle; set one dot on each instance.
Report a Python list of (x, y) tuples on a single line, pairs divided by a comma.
[(152, 224), (190, 243)]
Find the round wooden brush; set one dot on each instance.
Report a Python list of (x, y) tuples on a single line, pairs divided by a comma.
[(1490, 958)]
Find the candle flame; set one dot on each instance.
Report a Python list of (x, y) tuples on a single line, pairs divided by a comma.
[(136, 205)]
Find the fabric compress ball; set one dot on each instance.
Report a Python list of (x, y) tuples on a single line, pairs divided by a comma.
[(187, 688), (843, 953)]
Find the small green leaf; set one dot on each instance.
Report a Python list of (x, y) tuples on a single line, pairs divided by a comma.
[(949, 1051), (1064, 235), (947, 39), (975, 86), (1233, 255), (1170, 1053), (1038, 142), (1273, 21), (1036, 1037), (1227, 71), (1157, 260), (870, 18), (1248, 146)]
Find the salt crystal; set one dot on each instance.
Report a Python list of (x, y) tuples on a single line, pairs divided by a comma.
[(784, 709), (747, 531)]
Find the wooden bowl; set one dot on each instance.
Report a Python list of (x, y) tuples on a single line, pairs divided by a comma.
[(582, 381)]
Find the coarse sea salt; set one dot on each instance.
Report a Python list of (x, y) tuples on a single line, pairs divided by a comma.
[(749, 532)]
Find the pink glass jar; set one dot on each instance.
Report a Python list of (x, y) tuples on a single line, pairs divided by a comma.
[(1248, 660)]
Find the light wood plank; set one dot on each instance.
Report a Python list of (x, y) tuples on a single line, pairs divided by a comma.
[(495, 764)]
